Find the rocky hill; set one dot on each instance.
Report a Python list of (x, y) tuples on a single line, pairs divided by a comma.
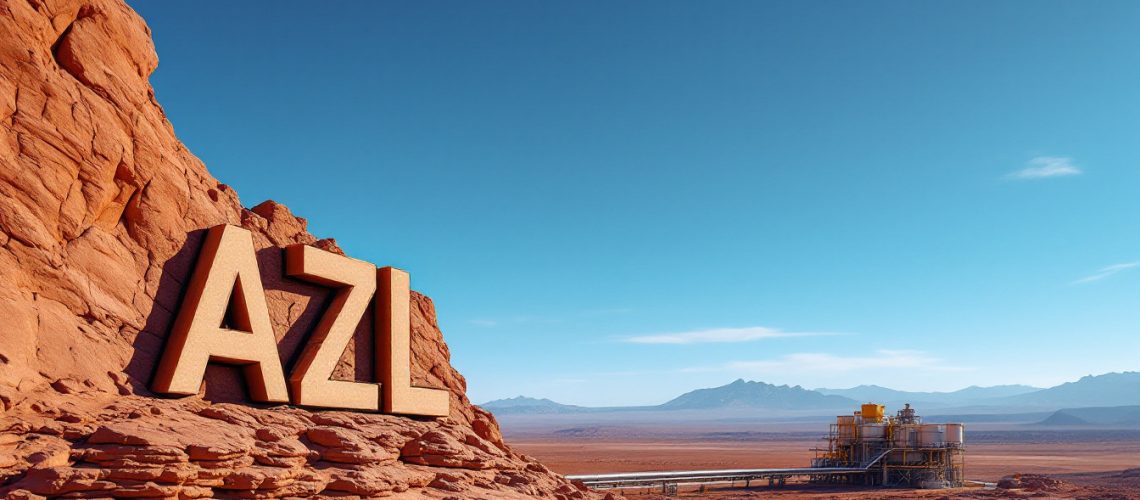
[(102, 212), (1110, 416)]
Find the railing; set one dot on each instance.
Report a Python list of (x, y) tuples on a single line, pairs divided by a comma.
[(635, 479), (877, 458), (674, 478)]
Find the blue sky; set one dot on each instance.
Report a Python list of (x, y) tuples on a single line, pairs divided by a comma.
[(616, 202)]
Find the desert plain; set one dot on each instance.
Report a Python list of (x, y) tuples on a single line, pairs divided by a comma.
[(1093, 463)]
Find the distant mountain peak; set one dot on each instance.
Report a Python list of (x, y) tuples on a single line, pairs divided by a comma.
[(520, 399), (526, 404), (753, 394)]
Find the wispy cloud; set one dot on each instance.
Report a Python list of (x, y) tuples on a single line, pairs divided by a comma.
[(1105, 272), (719, 335), (1043, 167), (815, 362)]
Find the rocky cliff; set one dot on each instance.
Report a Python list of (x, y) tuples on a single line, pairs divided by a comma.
[(102, 212)]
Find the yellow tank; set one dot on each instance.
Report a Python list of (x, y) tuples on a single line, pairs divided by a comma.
[(873, 413)]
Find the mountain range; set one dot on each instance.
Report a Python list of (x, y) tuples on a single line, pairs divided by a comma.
[(1110, 389), (1107, 390), (972, 395)]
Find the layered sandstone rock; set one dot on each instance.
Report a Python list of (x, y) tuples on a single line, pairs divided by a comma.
[(102, 212)]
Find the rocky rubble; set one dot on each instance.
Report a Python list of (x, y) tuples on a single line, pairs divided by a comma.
[(102, 212), (133, 447), (1030, 482)]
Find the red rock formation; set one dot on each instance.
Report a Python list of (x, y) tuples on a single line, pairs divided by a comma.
[(102, 212)]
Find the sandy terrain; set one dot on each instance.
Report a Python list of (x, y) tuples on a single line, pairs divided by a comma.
[(1088, 462)]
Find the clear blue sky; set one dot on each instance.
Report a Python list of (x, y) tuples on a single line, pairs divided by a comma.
[(616, 202)]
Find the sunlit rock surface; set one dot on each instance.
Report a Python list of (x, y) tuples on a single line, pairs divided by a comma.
[(102, 212)]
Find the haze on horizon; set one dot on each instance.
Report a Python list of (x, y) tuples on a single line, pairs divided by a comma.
[(613, 204)]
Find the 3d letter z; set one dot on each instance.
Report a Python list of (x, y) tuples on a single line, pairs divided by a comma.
[(225, 277), (355, 281)]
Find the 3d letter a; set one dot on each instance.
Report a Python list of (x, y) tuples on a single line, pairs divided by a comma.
[(394, 351), (226, 269)]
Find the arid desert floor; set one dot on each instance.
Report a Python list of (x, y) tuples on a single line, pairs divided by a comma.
[(1088, 463)]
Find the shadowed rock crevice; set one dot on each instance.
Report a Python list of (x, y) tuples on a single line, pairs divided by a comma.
[(68, 62)]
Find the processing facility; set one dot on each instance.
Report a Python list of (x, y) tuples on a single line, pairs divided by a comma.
[(865, 448), (894, 451)]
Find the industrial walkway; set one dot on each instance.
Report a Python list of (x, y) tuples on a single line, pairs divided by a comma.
[(677, 478), (672, 479)]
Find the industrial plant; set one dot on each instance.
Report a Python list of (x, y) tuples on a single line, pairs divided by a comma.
[(865, 448), (893, 451)]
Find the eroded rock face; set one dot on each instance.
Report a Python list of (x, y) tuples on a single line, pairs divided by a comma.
[(102, 213)]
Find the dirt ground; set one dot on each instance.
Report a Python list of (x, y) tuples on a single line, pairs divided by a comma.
[(1103, 488), (1088, 465)]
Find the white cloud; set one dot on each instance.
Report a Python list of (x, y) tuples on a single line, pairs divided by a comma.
[(813, 362), (1105, 272), (719, 335), (1043, 167)]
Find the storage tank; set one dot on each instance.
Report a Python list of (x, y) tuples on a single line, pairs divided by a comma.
[(931, 435), (873, 412), (874, 432), (846, 428), (955, 434), (904, 437)]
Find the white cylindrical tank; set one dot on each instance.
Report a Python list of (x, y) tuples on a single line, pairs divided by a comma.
[(846, 429), (876, 432), (846, 434), (955, 434), (903, 437), (931, 435)]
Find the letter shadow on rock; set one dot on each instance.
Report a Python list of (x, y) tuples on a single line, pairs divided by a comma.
[(295, 307), (300, 305)]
